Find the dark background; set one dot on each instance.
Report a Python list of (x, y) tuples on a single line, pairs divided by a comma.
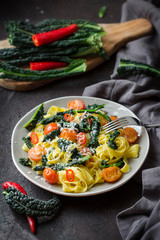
[(80, 218)]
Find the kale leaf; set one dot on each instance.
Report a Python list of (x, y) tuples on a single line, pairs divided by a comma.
[(95, 129), (95, 106), (63, 144), (25, 161), (27, 141), (84, 125), (24, 204), (104, 164), (44, 160), (111, 143), (38, 115), (59, 116), (50, 136)]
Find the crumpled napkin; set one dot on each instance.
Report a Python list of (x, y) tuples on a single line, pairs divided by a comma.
[(141, 94)]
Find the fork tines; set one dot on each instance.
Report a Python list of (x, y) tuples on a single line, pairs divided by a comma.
[(117, 123)]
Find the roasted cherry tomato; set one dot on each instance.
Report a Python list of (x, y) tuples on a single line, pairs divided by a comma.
[(36, 152), (81, 138), (70, 175), (68, 117), (68, 134), (112, 119), (50, 127), (85, 151), (34, 138), (130, 134), (111, 174), (76, 104), (50, 175)]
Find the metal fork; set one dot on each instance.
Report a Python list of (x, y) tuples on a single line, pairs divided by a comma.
[(124, 121)]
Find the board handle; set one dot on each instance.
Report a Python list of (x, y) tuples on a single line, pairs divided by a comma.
[(121, 33)]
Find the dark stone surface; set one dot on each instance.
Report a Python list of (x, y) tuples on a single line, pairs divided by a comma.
[(81, 218)]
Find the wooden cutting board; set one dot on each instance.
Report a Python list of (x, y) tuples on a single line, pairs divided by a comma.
[(118, 35)]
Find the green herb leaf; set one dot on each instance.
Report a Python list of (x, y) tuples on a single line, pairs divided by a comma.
[(102, 12)]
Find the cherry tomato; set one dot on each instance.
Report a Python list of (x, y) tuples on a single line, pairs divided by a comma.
[(36, 152), (112, 119), (76, 104), (68, 117), (68, 134), (81, 138), (50, 127), (34, 138), (70, 175), (130, 134), (85, 151), (111, 174), (50, 175)]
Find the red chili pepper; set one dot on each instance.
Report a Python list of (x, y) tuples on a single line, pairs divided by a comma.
[(31, 220), (81, 138), (70, 175), (40, 39), (41, 66), (68, 117), (34, 138)]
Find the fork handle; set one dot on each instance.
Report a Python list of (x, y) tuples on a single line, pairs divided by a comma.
[(151, 125)]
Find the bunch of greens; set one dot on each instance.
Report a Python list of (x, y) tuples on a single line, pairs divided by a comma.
[(86, 41)]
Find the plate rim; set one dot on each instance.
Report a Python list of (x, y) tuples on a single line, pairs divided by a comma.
[(84, 194)]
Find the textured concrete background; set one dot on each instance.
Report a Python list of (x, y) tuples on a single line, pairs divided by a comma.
[(81, 218)]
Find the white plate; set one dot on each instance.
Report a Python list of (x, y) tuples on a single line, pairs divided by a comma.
[(112, 108)]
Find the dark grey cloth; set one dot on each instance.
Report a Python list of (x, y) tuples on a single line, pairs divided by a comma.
[(141, 94), (142, 221)]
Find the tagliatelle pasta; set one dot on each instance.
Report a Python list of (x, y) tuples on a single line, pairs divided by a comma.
[(76, 148)]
